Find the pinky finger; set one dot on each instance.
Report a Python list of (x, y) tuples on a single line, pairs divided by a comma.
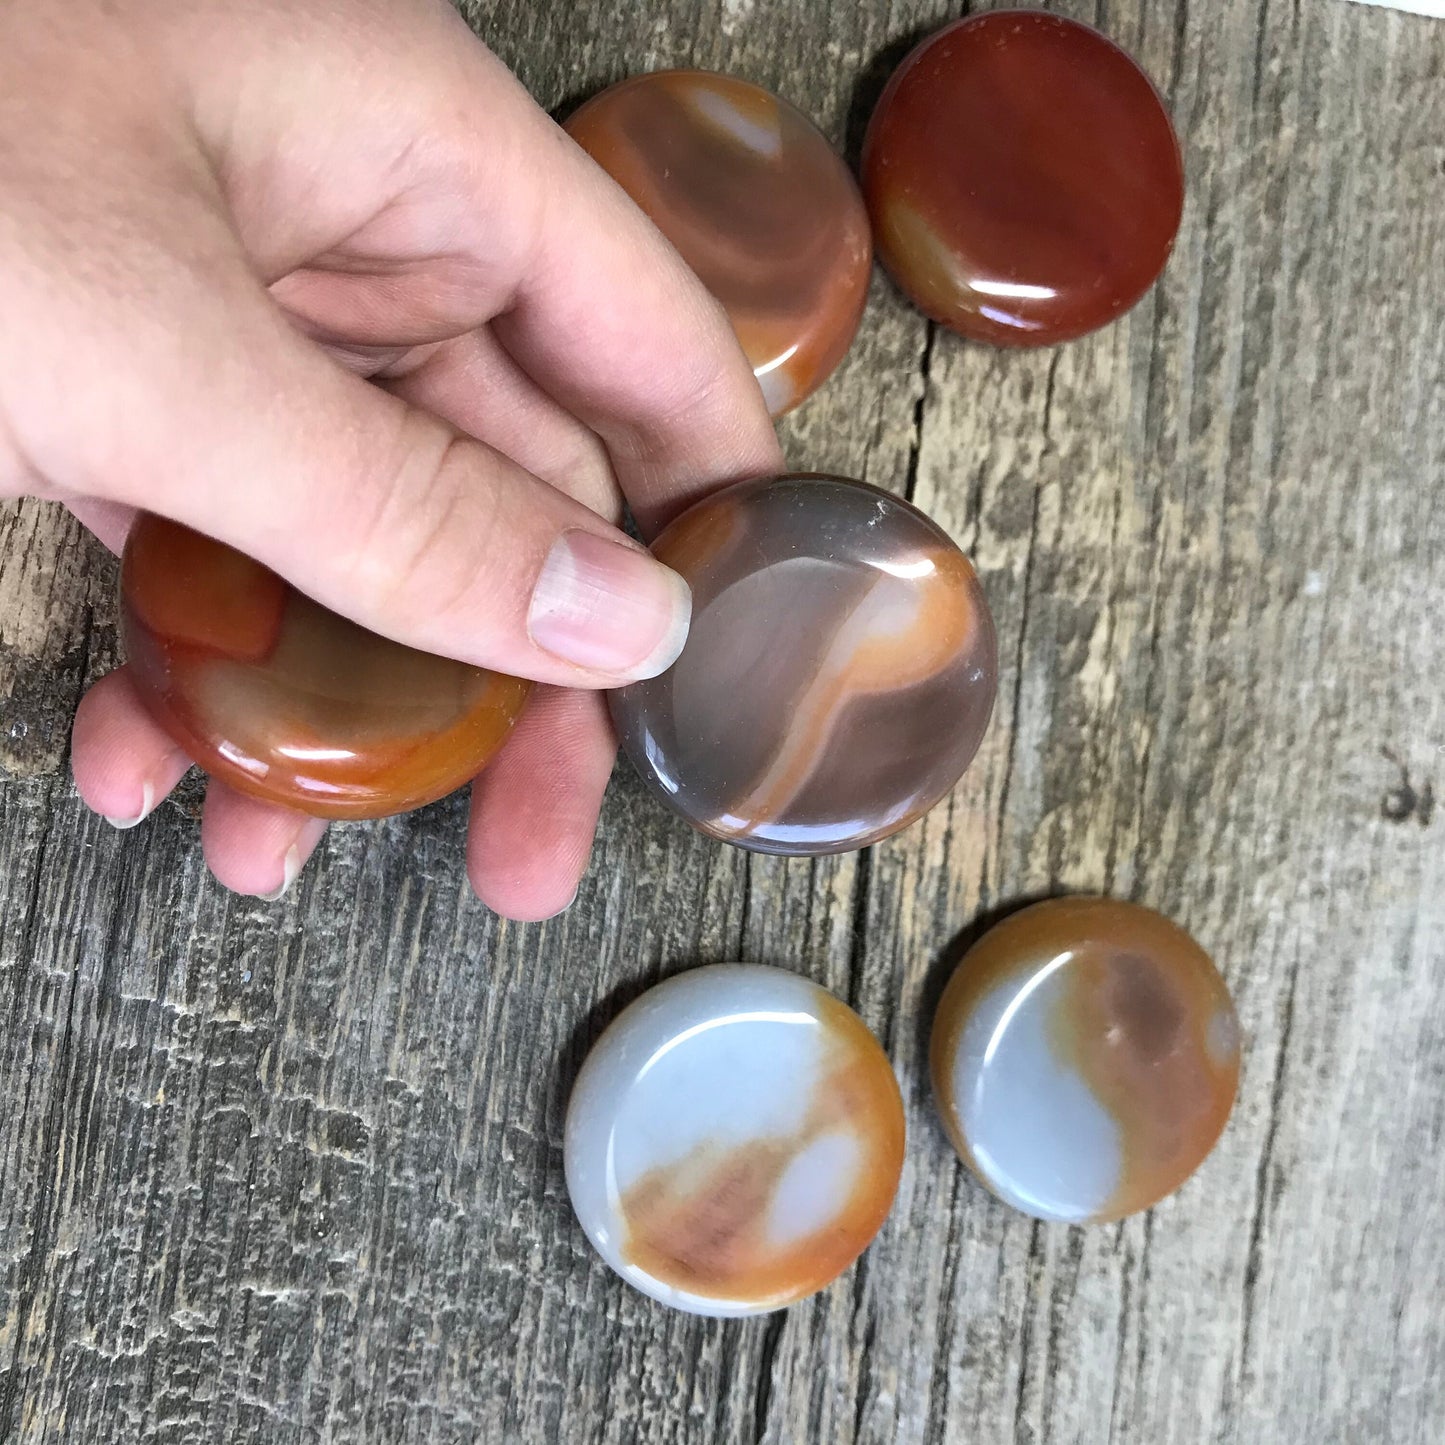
[(123, 763)]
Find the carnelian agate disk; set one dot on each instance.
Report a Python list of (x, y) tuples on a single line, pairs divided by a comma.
[(734, 1140), (1023, 178), (289, 702), (756, 201), (838, 676), (1085, 1059)]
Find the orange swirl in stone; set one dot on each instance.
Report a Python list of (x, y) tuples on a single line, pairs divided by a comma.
[(700, 1223), (869, 654), (289, 702), (757, 203), (1155, 1038)]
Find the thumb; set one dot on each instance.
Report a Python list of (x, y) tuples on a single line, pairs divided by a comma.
[(205, 405)]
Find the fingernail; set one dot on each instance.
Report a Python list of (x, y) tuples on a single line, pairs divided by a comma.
[(289, 876), (609, 608), (147, 806), (303, 845), (557, 913)]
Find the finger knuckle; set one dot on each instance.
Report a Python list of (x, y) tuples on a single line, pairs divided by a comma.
[(423, 545)]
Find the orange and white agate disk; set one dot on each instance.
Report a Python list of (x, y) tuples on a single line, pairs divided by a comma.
[(1085, 1059)]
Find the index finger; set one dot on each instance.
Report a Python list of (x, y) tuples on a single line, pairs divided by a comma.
[(606, 317)]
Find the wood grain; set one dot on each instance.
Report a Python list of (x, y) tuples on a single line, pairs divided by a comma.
[(291, 1173)]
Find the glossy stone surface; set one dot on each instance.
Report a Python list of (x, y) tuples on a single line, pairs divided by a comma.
[(287, 701), (838, 676), (1085, 1059), (734, 1140), (758, 204), (1023, 177)]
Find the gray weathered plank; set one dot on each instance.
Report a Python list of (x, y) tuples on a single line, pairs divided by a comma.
[(291, 1172)]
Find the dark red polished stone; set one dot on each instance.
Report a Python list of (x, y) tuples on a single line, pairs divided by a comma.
[(290, 702), (1023, 178)]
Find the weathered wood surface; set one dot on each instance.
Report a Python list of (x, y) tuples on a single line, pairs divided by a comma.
[(292, 1173)]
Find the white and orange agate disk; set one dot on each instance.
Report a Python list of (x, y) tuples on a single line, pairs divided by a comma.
[(734, 1140)]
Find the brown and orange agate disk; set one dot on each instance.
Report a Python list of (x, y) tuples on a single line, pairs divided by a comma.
[(1085, 1059), (289, 702), (838, 677), (758, 204)]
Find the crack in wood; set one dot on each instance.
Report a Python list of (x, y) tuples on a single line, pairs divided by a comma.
[(47, 1167), (1033, 1273), (768, 1353), (915, 444), (1254, 1265)]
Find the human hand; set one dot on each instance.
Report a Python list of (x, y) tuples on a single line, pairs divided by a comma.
[(324, 283)]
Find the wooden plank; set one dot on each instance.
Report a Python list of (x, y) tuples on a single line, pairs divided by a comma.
[(292, 1172), (57, 617)]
